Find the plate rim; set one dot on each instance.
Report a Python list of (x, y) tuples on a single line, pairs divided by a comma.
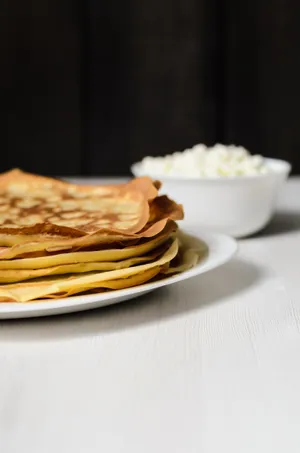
[(47, 307)]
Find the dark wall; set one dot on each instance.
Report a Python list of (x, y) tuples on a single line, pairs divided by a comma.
[(262, 77), (40, 86), (88, 87), (151, 79)]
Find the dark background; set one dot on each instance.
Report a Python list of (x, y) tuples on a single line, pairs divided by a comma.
[(88, 87)]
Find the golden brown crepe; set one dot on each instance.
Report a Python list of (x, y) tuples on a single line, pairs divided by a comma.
[(33, 204), (56, 245), (83, 263), (104, 255), (191, 251), (122, 283), (65, 222), (161, 209), (65, 286), (59, 239)]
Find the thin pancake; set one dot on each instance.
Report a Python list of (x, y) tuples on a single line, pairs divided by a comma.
[(191, 251), (162, 209), (19, 275), (48, 287), (109, 254), (32, 204), (122, 283)]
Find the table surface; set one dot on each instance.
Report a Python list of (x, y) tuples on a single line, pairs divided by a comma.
[(210, 365)]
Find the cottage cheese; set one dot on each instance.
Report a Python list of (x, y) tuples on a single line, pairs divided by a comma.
[(205, 162)]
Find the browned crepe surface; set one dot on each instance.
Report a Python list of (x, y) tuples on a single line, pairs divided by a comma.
[(33, 204)]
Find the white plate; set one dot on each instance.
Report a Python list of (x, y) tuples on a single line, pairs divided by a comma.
[(221, 249)]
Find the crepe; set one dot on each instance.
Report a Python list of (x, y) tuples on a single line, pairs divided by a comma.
[(34, 204), (46, 237), (52, 246), (58, 239), (10, 276), (82, 264), (134, 280), (65, 286), (105, 255), (191, 251)]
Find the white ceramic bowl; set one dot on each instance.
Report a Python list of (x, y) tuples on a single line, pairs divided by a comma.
[(238, 206)]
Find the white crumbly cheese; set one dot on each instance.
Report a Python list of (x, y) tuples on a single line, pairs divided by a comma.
[(204, 162)]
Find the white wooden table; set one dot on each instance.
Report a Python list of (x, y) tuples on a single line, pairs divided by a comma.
[(208, 366)]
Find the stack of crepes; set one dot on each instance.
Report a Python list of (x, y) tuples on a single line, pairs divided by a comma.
[(58, 239)]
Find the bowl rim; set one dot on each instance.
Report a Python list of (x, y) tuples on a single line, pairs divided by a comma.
[(284, 168)]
